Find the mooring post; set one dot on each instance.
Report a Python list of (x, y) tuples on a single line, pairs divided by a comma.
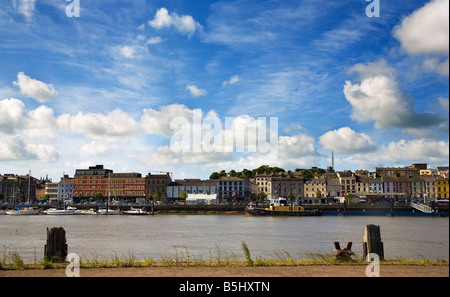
[(56, 248), (345, 254), (372, 242)]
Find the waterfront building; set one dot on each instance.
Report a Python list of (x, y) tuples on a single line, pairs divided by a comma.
[(443, 171), (348, 182), (362, 185), (156, 184), (190, 186), (442, 188), (404, 186), (65, 188), (417, 187), (375, 186), (315, 188), (263, 182), (333, 187), (100, 182), (233, 188), (17, 188), (51, 191), (397, 171), (389, 186), (285, 184), (430, 186)]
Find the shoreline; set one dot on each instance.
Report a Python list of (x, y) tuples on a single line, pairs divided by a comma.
[(342, 270)]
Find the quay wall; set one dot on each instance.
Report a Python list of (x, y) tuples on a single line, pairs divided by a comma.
[(239, 209)]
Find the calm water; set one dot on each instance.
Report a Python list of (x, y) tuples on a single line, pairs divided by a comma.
[(220, 236)]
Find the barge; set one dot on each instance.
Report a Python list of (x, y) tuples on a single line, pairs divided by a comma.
[(278, 207)]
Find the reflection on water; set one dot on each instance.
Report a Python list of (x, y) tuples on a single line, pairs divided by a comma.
[(220, 236)]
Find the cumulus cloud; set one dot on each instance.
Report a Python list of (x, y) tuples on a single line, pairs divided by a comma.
[(347, 141), (11, 115), (35, 89), (412, 150), (196, 91), (184, 24), (14, 148), (379, 98), (426, 32), (113, 124)]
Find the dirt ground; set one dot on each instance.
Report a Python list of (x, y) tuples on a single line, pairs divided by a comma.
[(295, 271)]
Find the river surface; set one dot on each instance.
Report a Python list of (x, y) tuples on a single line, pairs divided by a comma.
[(214, 237)]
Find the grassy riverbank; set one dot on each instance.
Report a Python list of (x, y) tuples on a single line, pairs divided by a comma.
[(13, 261)]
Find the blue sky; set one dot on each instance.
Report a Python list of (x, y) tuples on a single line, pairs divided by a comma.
[(104, 87)]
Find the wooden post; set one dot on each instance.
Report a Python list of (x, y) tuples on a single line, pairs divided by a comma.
[(345, 254), (372, 242), (56, 248)]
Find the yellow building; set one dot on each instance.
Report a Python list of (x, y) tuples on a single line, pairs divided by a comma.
[(442, 190)]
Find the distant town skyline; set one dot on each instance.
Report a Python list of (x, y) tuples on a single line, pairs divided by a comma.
[(103, 82)]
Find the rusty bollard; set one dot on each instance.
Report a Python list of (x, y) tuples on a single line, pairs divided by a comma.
[(344, 255)]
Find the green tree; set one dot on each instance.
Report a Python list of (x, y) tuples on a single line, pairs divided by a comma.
[(158, 196), (214, 175), (318, 194), (99, 196), (183, 195), (262, 196), (149, 197), (306, 173), (291, 197)]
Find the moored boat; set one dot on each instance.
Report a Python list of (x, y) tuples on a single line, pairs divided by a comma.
[(136, 212), (67, 211), (86, 212), (23, 211), (278, 207)]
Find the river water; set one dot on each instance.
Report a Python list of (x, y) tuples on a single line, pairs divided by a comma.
[(213, 237)]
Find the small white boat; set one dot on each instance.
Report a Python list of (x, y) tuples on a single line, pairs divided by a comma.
[(86, 212), (109, 211), (22, 212), (67, 211), (136, 212), (2, 212)]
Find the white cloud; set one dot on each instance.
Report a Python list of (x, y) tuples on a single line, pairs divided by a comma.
[(379, 98), (426, 32), (233, 80), (415, 150), (25, 7), (158, 121), (11, 115), (35, 89), (97, 149), (195, 91), (127, 51), (154, 40), (347, 141), (184, 24), (98, 126), (14, 148)]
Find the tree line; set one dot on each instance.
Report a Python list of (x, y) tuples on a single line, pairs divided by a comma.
[(264, 169)]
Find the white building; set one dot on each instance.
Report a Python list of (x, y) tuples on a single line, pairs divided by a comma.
[(196, 199)]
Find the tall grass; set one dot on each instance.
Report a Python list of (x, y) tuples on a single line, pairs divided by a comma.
[(183, 258)]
